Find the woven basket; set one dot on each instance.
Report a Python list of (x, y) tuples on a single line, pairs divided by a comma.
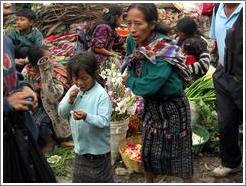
[(131, 164)]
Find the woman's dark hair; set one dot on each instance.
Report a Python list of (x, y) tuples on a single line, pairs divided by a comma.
[(82, 61), (187, 26), (111, 14), (35, 53), (28, 13), (150, 13), (109, 17)]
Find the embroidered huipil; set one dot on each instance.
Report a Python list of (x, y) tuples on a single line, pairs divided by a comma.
[(104, 37)]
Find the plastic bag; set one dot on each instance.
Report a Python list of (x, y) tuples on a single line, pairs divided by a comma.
[(207, 9)]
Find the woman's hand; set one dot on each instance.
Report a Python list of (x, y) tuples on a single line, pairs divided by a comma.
[(73, 94), (78, 115), (24, 99), (33, 95)]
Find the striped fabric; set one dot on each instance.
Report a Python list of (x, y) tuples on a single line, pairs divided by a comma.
[(167, 137), (164, 49), (201, 67)]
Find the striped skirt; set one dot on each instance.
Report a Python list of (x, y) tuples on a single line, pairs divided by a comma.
[(167, 137)]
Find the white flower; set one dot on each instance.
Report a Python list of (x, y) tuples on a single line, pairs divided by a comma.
[(54, 159), (124, 101)]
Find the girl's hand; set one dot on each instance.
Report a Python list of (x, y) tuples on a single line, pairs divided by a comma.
[(78, 115), (72, 95)]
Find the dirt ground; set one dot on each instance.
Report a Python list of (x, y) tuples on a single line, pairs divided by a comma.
[(203, 165)]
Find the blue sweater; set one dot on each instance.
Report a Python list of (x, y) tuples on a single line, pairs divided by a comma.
[(91, 135)]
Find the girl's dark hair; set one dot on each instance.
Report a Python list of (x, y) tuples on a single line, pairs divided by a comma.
[(195, 46), (22, 52), (111, 14), (28, 13), (150, 13), (82, 61), (187, 26), (35, 53)]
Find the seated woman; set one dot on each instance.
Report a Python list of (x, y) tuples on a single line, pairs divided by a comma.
[(104, 35), (49, 80)]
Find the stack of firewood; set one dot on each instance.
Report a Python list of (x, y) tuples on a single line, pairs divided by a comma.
[(57, 17)]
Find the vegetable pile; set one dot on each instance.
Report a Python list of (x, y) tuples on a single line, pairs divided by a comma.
[(202, 93), (58, 158)]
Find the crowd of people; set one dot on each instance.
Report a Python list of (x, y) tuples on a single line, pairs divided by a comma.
[(46, 103)]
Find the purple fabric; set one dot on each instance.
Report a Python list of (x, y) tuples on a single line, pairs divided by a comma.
[(103, 37)]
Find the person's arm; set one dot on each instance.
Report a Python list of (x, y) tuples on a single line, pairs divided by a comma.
[(149, 84), (50, 88), (214, 52), (212, 26), (103, 51), (99, 40), (65, 106), (23, 99), (201, 66)]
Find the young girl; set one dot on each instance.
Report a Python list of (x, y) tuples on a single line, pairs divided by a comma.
[(194, 46), (88, 108), (167, 135)]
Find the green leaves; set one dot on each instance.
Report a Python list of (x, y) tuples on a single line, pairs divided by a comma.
[(59, 167), (202, 93)]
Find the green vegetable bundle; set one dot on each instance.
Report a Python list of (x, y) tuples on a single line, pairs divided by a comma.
[(202, 88), (202, 93)]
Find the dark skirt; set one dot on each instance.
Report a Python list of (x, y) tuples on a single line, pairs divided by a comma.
[(88, 170), (23, 162), (167, 137), (43, 121)]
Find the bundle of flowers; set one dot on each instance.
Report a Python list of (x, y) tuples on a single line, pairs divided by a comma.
[(123, 100)]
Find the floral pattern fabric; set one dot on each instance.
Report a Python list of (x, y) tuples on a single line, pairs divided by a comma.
[(51, 90)]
